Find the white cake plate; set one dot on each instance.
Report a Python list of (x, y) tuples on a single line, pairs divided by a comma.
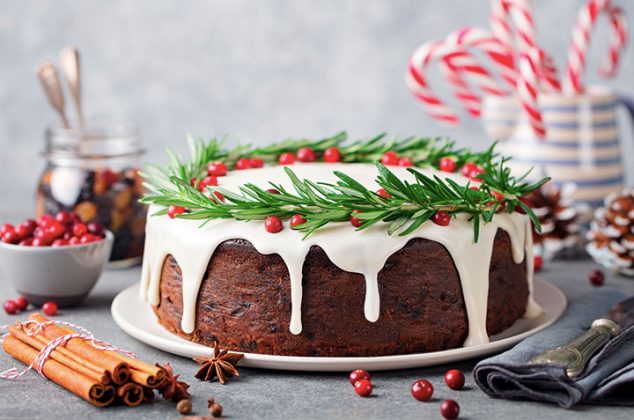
[(137, 319)]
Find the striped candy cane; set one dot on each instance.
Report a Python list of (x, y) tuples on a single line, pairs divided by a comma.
[(528, 88), (581, 38), (520, 13), (420, 88), (618, 41), (455, 61), (485, 42)]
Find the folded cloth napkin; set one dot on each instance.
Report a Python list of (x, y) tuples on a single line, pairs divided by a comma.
[(608, 379)]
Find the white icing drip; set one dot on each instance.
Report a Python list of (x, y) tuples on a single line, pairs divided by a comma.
[(362, 252)]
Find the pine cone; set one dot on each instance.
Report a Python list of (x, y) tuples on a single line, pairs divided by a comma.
[(611, 233), (558, 217)]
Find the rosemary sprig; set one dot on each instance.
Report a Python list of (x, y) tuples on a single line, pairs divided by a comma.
[(407, 207)]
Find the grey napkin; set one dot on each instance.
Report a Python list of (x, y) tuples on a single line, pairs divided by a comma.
[(609, 378)]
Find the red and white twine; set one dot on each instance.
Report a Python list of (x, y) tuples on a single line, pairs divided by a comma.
[(32, 328)]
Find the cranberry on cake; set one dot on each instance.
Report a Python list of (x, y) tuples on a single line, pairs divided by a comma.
[(337, 248)]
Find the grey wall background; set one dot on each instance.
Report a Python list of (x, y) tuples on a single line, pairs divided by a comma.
[(256, 70)]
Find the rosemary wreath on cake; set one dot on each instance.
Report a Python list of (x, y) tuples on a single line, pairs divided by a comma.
[(191, 190)]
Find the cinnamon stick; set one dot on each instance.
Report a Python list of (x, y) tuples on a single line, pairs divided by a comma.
[(100, 370), (100, 376), (130, 394), (148, 375), (151, 376), (92, 391), (118, 370)]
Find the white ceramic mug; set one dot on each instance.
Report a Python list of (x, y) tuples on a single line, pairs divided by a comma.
[(581, 144)]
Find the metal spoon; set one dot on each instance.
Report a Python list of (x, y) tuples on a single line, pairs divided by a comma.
[(69, 62), (47, 74)]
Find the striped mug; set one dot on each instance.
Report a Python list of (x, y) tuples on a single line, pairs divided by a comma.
[(581, 144)]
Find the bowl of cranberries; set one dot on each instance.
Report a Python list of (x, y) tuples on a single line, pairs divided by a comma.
[(54, 258)]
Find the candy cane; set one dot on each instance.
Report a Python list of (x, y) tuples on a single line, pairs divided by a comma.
[(484, 41), (470, 101), (520, 13), (618, 41), (455, 60), (581, 38), (527, 89), (419, 87)]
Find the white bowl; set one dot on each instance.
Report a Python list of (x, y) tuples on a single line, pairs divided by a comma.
[(64, 275)]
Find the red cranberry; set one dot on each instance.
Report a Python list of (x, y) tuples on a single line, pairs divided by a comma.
[(357, 375), (217, 169), (10, 237), (210, 181), (30, 224), (219, 196), (454, 379), (447, 164), (23, 230), (55, 229), (389, 158), (43, 241), (59, 242), (450, 409), (21, 303), (44, 220), (26, 242), (356, 222), (79, 229), (538, 263), (7, 227), (383, 193), (256, 163), (10, 307), (363, 387), (50, 308), (74, 241), (306, 154), (441, 218), (26, 228), (405, 162), (286, 159), (297, 220), (498, 197), (94, 228), (64, 217), (87, 238), (242, 163), (273, 224), (467, 168), (272, 191), (422, 390), (596, 277), (172, 211), (471, 171), (332, 155)]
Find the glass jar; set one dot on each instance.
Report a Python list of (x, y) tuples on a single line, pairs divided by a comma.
[(94, 172)]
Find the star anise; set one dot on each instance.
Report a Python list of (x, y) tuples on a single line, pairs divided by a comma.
[(221, 364), (172, 388)]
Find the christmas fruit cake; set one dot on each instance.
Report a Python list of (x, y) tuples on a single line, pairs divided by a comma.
[(311, 249)]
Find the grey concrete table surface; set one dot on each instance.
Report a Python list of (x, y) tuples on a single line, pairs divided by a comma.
[(277, 394)]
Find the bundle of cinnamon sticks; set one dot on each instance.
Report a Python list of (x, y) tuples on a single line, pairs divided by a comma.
[(99, 376)]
